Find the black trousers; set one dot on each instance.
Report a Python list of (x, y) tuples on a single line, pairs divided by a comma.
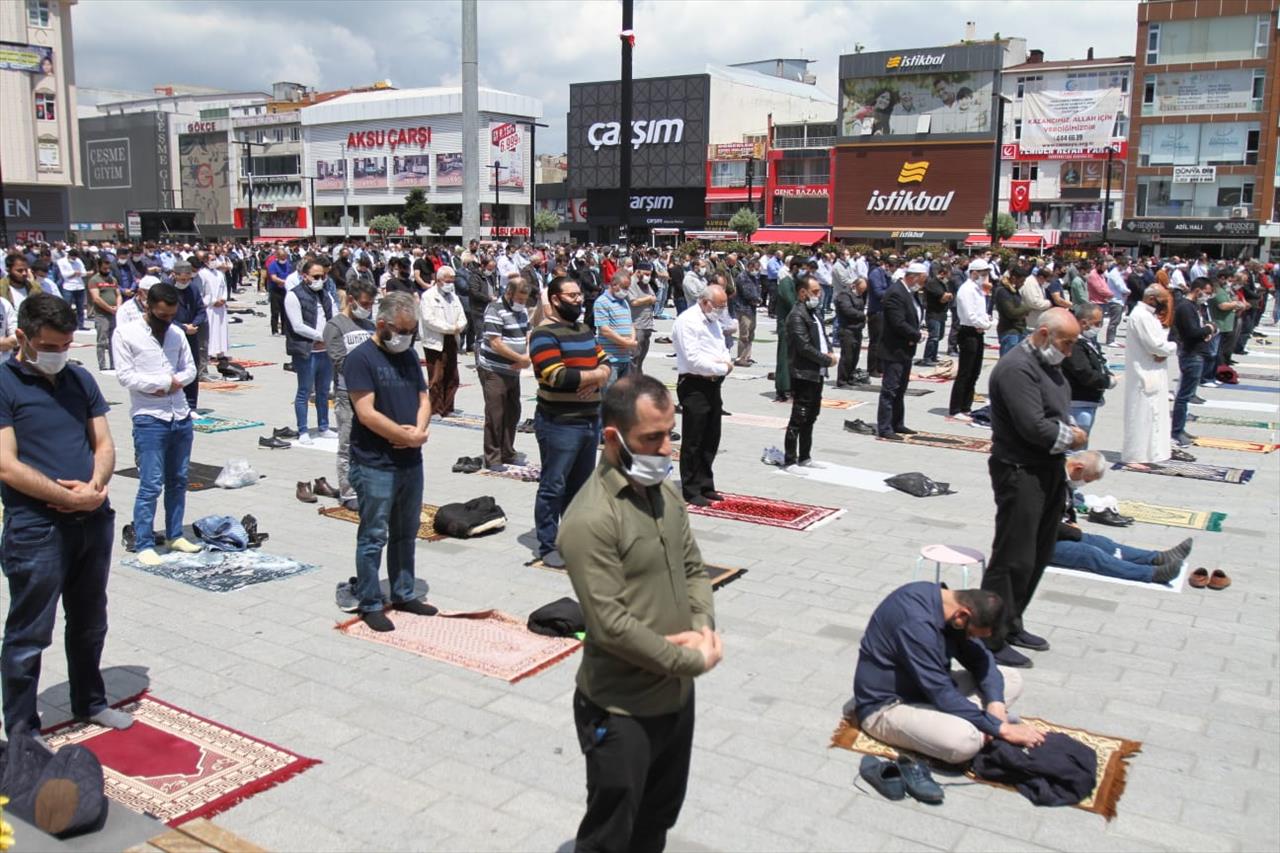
[(806, 401), (954, 333), (850, 352), (1028, 509), (700, 432), (969, 340), (276, 299), (637, 774), (875, 323), (893, 393)]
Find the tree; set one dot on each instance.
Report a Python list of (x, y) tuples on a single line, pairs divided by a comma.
[(438, 223), (1005, 225), (416, 212), (384, 224), (544, 221), (745, 222)]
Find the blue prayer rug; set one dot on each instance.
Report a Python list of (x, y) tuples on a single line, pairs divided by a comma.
[(223, 571)]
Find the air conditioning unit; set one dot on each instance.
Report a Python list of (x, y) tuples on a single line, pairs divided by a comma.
[(1240, 211)]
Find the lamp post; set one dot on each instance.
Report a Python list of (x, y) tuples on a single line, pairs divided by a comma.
[(1000, 100), (751, 176), (248, 161), (625, 107), (346, 220), (313, 205), (1106, 199), (497, 171)]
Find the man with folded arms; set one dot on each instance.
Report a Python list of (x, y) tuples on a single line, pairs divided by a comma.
[(905, 693)]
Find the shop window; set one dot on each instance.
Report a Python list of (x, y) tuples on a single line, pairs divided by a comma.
[(1026, 171), (38, 13), (45, 106)]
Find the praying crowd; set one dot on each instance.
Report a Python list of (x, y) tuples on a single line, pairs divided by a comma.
[(379, 336)]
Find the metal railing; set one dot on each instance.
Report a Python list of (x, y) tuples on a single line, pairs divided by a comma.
[(802, 180), (809, 142)]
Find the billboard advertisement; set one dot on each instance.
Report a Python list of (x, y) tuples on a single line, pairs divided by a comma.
[(1203, 92), (668, 133), (1066, 121), (413, 170), (31, 58), (506, 148), (121, 168), (449, 169), (202, 158), (331, 175), (369, 172)]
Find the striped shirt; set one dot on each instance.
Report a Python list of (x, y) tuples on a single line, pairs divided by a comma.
[(613, 313), (560, 352), (511, 324)]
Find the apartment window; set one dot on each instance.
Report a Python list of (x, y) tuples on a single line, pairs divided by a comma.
[(295, 134), (729, 173), (1026, 85), (1017, 128), (1259, 88), (38, 13), (1148, 96), (1251, 147), (1209, 39), (1260, 39), (1153, 44), (1246, 193), (262, 136), (1026, 171), (1122, 125), (45, 110), (279, 134)]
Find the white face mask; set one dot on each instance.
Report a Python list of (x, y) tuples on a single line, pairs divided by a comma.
[(397, 343), (645, 469), (50, 363), (181, 285), (1075, 485), (447, 289), (1051, 355), (813, 301), (360, 313), (317, 286)]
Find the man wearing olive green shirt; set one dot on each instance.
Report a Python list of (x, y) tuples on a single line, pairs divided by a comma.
[(646, 601)]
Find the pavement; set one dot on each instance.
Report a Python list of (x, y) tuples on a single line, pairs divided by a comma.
[(419, 755)]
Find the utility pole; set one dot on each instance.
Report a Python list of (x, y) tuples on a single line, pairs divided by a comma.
[(497, 172), (995, 170), (470, 123), (1106, 201), (313, 205), (751, 176), (624, 144), (248, 161), (346, 182)]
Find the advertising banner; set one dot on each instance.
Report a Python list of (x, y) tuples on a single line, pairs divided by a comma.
[(1053, 120), (449, 170), (31, 58), (205, 189), (1014, 151), (411, 171), (955, 102), (367, 172), (107, 164), (331, 175), (1195, 174), (506, 146), (737, 150), (1204, 92)]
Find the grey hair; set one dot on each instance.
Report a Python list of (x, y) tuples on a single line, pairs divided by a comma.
[(621, 278), (1085, 310), (1095, 464), (445, 271), (397, 304), (1153, 290)]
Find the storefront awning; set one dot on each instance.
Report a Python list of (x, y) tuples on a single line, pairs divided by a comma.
[(1037, 240), (804, 236), (734, 195), (977, 238), (711, 235)]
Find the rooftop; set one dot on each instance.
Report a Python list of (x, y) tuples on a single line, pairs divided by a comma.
[(1071, 63), (380, 104)]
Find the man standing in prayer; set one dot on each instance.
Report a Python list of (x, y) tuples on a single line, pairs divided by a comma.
[(899, 335), (213, 280), (307, 308), (504, 343), (811, 355), (702, 362), (347, 330), (442, 320), (973, 320), (1147, 421)]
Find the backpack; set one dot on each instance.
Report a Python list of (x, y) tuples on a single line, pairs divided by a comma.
[(1226, 374)]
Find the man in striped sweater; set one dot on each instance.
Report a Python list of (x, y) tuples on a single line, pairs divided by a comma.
[(572, 370)]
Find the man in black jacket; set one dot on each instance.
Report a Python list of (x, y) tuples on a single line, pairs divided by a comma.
[(746, 299), (1031, 431), (899, 335), (1194, 330), (851, 310), (811, 355), (937, 301), (1086, 368)]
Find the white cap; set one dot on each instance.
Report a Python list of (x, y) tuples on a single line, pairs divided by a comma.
[(917, 268), (979, 265), (146, 281)]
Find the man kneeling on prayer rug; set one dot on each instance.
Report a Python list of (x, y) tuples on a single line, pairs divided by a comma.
[(905, 693)]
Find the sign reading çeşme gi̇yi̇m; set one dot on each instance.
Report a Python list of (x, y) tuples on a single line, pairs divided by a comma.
[(1054, 121)]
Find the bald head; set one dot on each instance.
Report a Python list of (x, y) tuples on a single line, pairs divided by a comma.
[(1058, 329)]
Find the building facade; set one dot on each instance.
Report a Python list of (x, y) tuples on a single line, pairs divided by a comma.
[(799, 189), (38, 146), (1202, 142)]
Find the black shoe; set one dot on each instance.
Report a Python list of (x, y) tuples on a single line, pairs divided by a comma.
[(1027, 640), (844, 385), (918, 781), (377, 621), (419, 608), (127, 537), (1184, 439), (1009, 656), (250, 525), (901, 430), (461, 466), (782, 398), (725, 414), (884, 776), (1197, 399), (697, 500), (862, 380), (713, 495), (859, 426), (273, 443), (891, 436), (288, 365), (1109, 517), (285, 432), (1181, 455)]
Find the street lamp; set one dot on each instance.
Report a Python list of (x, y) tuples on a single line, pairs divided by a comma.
[(253, 211), (313, 205), (999, 101), (497, 170), (346, 220), (1106, 199)]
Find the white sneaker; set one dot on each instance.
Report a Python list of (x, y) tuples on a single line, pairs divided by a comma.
[(305, 439), (329, 433)]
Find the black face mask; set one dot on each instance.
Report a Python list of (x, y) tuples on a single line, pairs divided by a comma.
[(569, 311)]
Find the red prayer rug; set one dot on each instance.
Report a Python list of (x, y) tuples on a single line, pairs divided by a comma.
[(489, 642), (768, 511), (176, 766)]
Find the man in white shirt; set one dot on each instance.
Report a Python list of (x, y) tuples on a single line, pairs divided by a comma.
[(153, 361), (71, 270), (695, 281), (702, 363), (973, 320), (1119, 296), (442, 318), (508, 263), (135, 308)]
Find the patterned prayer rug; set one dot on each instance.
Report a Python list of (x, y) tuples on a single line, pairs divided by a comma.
[(489, 642), (176, 766), (1192, 470), (474, 422), (911, 392), (768, 511), (199, 476), (976, 443), (931, 377), (1173, 516), (1240, 422), (764, 421), (1113, 754), (828, 403), (426, 524), (212, 423), (223, 571), (523, 473), (245, 362), (1235, 444), (223, 386)]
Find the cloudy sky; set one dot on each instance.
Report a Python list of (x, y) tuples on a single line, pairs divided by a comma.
[(539, 48)]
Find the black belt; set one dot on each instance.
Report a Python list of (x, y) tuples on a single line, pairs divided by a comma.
[(715, 379)]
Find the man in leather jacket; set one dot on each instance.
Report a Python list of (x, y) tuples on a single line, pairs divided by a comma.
[(851, 310), (1086, 368), (810, 356)]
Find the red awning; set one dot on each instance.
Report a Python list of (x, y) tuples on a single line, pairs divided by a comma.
[(804, 236), (1024, 240), (734, 195), (977, 238)]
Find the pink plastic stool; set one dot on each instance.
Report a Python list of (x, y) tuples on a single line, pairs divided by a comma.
[(950, 555)]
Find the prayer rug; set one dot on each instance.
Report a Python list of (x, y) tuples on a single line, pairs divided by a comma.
[(1235, 444), (842, 404), (175, 766), (975, 443), (199, 476), (764, 421), (841, 475), (242, 346), (1264, 389), (1192, 470), (1113, 754), (197, 835), (223, 571), (930, 377), (1176, 585), (1173, 516), (911, 392), (212, 423), (250, 363), (475, 422), (426, 523), (1261, 377), (523, 473), (721, 575), (1240, 422), (223, 386), (768, 511), (1238, 405), (489, 642)]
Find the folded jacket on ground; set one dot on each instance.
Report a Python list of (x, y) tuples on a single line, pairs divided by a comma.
[(1059, 772), (560, 618), (221, 533), (464, 520)]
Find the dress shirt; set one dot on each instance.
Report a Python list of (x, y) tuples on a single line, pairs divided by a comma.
[(293, 310), (507, 266), (699, 344), (72, 272), (824, 273), (971, 306), (145, 368), (1115, 280), (129, 312)]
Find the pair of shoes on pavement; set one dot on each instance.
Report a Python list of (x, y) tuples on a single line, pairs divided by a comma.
[(468, 464), (1007, 655), (1179, 455), (859, 426), (377, 620), (307, 492), (904, 775)]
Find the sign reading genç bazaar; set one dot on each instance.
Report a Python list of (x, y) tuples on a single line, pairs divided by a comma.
[(393, 139)]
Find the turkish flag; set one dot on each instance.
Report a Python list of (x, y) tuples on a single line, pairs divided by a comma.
[(1019, 196)]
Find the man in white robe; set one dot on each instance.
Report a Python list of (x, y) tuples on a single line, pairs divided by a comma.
[(1147, 417), (213, 279)]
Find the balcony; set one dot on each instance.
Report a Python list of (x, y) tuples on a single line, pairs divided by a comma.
[(811, 142), (811, 179)]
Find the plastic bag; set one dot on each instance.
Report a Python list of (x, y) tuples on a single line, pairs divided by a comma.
[(919, 485), (236, 474)]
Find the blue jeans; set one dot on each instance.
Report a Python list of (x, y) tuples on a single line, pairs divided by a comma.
[(617, 370), (1097, 554), (163, 451), (77, 300), (568, 452), (1192, 369), (44, 559), (828, 291), (1210, 370), (935, 326), (390, 502), (314, 372), (1084, 413), (1009, 340)]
